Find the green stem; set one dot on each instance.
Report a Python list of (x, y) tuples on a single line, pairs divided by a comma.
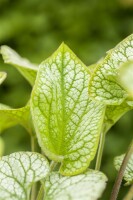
[(100, 150), (40, 193), (33, 149), (129, 195), (118, 181)]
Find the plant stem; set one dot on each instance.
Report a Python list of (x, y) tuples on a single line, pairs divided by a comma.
[(129, 195), (100, 150), (118, 181), (33, 149), (33, 143), (40, 193)]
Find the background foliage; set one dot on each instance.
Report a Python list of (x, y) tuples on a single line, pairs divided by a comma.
[(35, 28)]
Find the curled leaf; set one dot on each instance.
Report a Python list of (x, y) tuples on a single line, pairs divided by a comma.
[(27, 69)]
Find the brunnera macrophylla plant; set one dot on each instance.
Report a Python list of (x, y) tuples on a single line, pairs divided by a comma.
[(70, 110)]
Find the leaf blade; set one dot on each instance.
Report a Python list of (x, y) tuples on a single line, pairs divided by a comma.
[(128, 174), (27, 69), (10, 117), (103, 84), (87, 186), (64, 117), (18, 172)]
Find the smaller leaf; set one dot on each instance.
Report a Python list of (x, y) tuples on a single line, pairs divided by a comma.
[(27, 69), (128, 175), (114, 113), (103, 85), (2, 77), (18, 172), (10, 117), (126, 77), (87, 186)]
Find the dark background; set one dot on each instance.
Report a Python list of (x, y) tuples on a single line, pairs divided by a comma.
[(35, 29)]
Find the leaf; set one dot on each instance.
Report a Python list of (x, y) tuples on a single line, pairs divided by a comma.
[(114, 113), (87, 186), (103, 85), (126, 77), (2, 77), (18, 172), (128, 174), (10, 117), (27, 69), (67, 122)]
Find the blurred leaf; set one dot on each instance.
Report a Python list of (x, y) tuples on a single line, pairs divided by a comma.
[(2, 77), (128, 174), (87, 186), (18, 172), (67, 122), (27, 69), (10, 117), (103, 85)]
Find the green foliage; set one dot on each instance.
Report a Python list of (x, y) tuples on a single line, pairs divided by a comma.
[(27, 69), (11, 117), (68, 122), (18, 172), (87, 186)]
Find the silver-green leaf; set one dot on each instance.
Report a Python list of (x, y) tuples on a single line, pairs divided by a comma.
[(26, 68), (128, 174), (18, 172), (10, 117), (2, 77), (103, 85), (67, 122), (87, 186)]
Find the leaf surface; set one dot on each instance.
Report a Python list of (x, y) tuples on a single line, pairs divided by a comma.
[(10, 117), (128, 174), (18, 172), (87, 186), (67, 122), (2, 77), (113, 113), (103, 85), (27, 69)]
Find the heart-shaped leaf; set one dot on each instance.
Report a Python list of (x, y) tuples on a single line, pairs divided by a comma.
[(27, 69), (10, 117), (18, 172), (128, 174), (67, 122), (2, 77), (87, 186), (103, 85)]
